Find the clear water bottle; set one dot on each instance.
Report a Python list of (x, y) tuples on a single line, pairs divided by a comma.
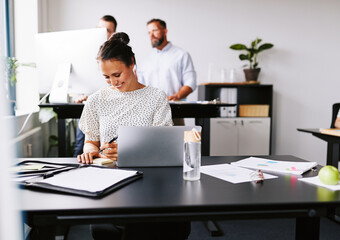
[(192, 155)]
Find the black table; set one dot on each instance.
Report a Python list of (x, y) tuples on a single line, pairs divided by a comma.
[(163, 195), (333, 145), (202, 113)]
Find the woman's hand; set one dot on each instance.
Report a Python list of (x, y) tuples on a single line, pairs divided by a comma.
[(91, 151), (88, 157), (109, 150), (81, 99)]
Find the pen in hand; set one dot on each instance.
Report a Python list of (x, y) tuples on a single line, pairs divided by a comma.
[(111, 141)]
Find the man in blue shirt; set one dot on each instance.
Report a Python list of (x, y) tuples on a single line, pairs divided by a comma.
[(167, 67)]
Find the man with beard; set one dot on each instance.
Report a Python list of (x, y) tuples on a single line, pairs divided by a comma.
[(167, 67)]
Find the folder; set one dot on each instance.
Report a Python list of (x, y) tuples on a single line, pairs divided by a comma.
[(76, 179)]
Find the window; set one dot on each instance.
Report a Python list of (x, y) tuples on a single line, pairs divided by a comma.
[(26, 26), (6, 48)]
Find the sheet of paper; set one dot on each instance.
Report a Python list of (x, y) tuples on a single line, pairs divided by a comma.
[(90, 179), (296, 168), (232, 174), (316, 181)]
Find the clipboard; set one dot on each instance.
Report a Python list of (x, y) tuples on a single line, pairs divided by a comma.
[(76, 179)]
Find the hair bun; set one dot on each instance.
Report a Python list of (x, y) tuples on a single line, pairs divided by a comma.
[(121, 36)]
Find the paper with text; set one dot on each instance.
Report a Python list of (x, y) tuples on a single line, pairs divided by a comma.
[(232, 174), (296, 168), (92, 179)]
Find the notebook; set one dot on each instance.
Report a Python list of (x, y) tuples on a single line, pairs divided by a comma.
[(151, 146)]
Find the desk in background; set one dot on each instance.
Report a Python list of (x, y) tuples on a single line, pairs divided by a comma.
[(170, 198), (333, 145), (202, 112)]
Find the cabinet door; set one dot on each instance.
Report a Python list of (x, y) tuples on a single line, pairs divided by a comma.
[(253, 136), (223, 137)]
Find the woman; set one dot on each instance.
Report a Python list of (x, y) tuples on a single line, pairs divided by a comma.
[(126, 102)]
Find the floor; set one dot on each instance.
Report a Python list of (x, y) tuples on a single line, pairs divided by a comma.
[(241, 229)]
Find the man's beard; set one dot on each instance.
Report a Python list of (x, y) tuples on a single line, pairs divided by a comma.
[(158, 42)]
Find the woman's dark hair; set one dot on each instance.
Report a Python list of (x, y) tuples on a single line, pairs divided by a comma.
[(122, 36), (117, 48)]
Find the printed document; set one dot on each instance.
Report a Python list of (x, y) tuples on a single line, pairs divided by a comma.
[(233, 174), (270, 165)]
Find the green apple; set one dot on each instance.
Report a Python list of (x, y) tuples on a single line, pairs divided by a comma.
[(329, 175)]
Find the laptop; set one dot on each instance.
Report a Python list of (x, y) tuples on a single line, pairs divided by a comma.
[(151, 146)]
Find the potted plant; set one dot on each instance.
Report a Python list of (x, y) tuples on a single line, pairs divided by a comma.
[(253, 71), (12, 66)]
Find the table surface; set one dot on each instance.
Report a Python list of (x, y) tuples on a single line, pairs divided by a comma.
[(333, 145), (163, 192), (198, 110), (179, 109), (316, 131)]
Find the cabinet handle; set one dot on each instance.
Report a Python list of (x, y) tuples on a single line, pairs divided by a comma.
[(228, 122), (255, 121)]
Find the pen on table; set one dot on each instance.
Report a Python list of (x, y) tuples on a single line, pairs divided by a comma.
[(111, 141)]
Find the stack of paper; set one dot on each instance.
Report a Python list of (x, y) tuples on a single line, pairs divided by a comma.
[(296, 168)]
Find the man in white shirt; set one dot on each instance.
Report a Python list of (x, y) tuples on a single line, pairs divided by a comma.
[(167, 67)]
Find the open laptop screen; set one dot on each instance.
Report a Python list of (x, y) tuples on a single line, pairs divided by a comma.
[(151, 146)]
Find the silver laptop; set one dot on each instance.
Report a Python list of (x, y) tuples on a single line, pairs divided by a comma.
[(151, 146)]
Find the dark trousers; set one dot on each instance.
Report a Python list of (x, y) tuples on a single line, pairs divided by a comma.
[(79, 145)]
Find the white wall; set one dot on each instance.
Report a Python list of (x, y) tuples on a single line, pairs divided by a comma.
[(302, 66)]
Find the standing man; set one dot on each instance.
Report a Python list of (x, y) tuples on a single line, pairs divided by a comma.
[(110, 23), (167, 67)]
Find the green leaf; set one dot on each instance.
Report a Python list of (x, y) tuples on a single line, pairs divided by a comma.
[(238, 46), (243, 57), (255, 42), (265, 47), (250, 55)]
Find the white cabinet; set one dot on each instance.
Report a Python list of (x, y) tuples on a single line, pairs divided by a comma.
[(239, 136)]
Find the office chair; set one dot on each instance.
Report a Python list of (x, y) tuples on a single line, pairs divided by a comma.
[(336, 107)]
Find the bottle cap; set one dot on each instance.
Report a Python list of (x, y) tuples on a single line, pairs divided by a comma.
[(192, 136)]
